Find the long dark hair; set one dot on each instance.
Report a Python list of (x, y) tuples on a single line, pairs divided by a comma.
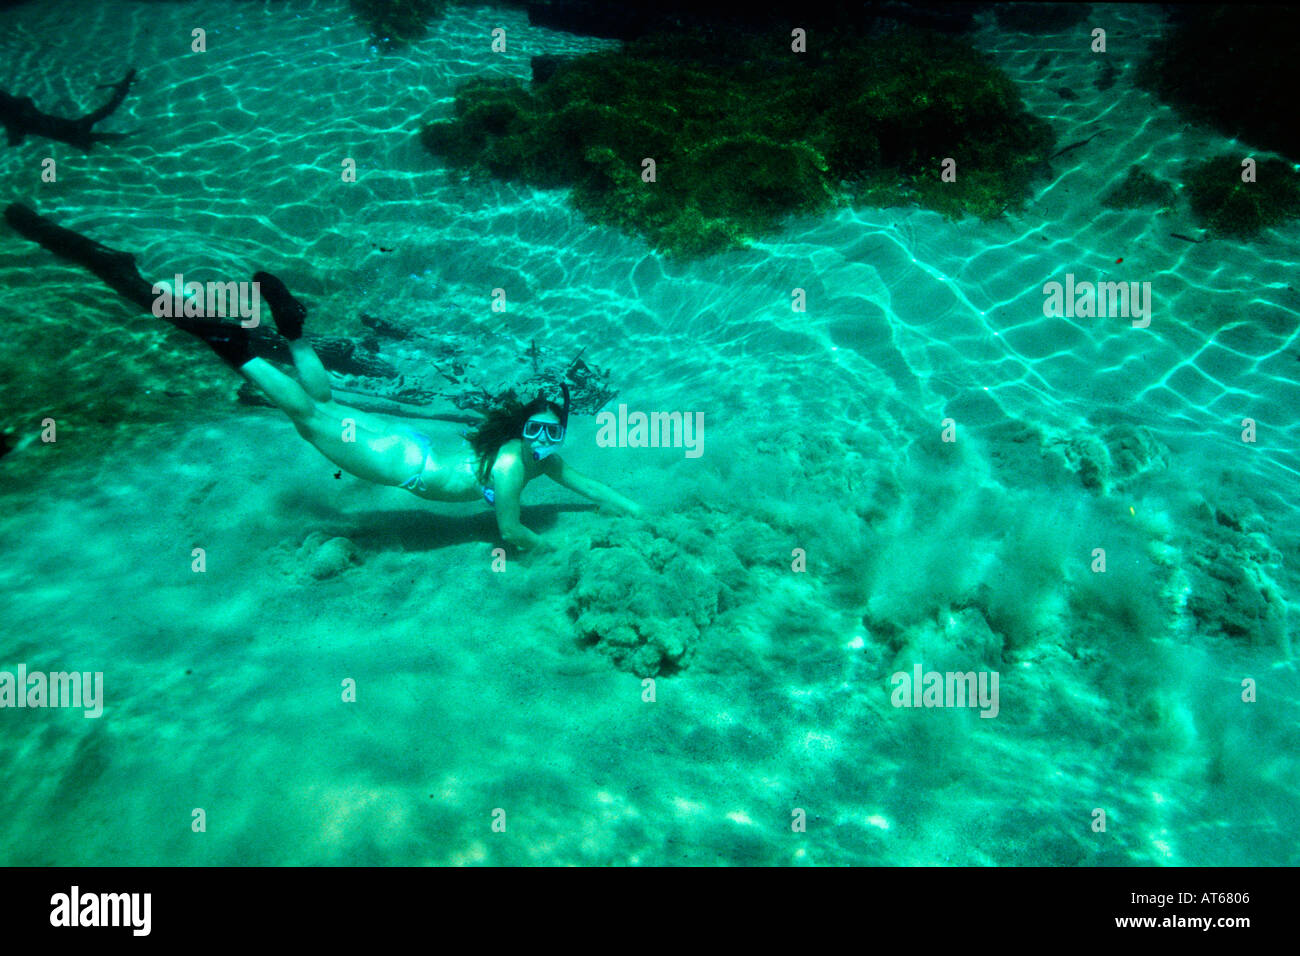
[(505, 422)]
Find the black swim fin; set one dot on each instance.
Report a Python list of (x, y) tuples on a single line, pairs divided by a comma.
[(288, 312)]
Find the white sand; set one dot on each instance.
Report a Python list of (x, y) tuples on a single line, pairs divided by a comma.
[(822, 434)]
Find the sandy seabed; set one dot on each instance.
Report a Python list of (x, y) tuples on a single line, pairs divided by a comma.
[(521, 690)]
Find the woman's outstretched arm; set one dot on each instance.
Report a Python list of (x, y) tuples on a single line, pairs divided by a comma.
[(556, 469)]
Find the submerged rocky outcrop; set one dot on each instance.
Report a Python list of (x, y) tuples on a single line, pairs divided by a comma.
[(702, 146), (647, 592), (1226, 205), (394, 23)]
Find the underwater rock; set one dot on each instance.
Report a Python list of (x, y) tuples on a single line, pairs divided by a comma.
[(1139, 188), (631, 19), (1231, 579), (1228, 564), (745, 133), (544, 66), (394, 23), (646, 597), (1112, 459), (322, 556), (1134, 452), (1221, 202), (967, 631), (958, 639)]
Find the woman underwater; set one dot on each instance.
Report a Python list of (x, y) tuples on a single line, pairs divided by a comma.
[(513, 445)]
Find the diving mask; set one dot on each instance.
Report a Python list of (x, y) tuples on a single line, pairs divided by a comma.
[(547, 435), (535, 428)]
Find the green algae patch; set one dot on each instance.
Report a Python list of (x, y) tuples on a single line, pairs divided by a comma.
[(743, 134), (1226, 206), (394, 23), (1140, 188)]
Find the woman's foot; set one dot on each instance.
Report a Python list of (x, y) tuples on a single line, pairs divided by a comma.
[(287, 311)]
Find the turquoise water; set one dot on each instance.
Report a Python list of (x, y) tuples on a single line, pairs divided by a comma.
[(476, 690)]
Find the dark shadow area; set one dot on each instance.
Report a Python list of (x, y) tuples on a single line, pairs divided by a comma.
[(382, 530), (1233, 67)]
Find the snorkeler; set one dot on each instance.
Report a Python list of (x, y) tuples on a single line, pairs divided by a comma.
[(513, 445)]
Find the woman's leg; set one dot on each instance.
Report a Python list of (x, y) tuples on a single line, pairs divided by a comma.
[(316, 383), (337, 432), (315, 380), (286, 394), (289, 315), (356, 443)]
